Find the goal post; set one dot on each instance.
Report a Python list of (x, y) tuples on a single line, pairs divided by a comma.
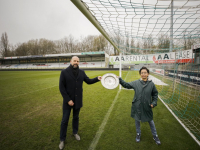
[(92, 19)]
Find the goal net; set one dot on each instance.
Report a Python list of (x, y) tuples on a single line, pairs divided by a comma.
[(157, 34)]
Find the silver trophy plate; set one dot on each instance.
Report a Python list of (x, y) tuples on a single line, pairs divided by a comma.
[(110, 81)]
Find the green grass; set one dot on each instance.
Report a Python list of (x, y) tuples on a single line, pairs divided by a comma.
[(31, 112)]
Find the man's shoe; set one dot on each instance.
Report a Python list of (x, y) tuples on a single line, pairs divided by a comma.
[(61, 145), (77, 137), (138, 137), (157, 140)]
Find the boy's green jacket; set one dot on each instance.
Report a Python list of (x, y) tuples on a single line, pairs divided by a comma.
[(145, 95)]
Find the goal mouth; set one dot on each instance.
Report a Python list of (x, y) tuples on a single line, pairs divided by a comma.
[(144, 27)]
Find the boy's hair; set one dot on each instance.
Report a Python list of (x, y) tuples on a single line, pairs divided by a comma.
[(145, 69)]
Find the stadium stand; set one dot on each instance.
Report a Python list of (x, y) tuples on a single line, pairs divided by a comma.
[(51, 61)]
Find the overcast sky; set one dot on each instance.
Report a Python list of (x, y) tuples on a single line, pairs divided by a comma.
[(24, 20)]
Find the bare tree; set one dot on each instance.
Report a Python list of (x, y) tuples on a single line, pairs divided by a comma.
[(163, 42), (36, 47), (65, 43), (103, 42), (144, 45), (132, 45), (150, 42), (109, 49), (119, 41), (22, 50), (4, 45), (33, 46), (128, 44), (188, 41), (99, 43), (71, 43), (138, 47), (88, 43), (47, 46), (60, 46), (147, 44)]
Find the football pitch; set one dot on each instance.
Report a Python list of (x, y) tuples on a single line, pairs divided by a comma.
[(31, 113)]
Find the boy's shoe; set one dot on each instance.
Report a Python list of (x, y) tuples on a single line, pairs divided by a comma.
[(138, 137), (157, 140)]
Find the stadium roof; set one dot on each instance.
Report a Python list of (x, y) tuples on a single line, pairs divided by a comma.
[(83, 54)]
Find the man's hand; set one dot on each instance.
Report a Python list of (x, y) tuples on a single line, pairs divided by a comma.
[(151, 106), (71, 103), (99, 77)]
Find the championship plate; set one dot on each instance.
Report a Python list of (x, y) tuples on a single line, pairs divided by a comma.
[(110, 81)]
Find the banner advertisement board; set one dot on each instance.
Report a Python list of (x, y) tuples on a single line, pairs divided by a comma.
[(185, 56), (188, 76)]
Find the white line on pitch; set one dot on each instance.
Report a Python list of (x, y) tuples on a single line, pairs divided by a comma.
[(103, 124)]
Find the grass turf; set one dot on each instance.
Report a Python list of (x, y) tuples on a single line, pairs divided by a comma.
[(31, 111)]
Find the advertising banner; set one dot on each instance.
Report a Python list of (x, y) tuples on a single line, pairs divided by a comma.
[(10, 57), (87, 53), (157, 71), (185, 56), (188, 76)]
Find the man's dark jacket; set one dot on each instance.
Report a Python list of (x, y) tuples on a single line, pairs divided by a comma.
[(71, 87)]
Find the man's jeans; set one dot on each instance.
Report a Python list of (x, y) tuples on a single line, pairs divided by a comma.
[(151, 124), (65, 120)]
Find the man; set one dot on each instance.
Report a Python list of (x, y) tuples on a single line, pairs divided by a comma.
[(70, 85), (144, 100)]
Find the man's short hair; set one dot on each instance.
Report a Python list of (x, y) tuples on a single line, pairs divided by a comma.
[(144, 68), (74, 56)]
